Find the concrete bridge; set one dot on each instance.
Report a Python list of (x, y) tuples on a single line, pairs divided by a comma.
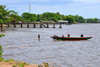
[(34, 25)]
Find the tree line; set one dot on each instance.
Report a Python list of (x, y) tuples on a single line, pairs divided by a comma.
[(10, 16)]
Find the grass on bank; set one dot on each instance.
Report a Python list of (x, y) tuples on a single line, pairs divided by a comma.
[(14, 63), (1, 35)]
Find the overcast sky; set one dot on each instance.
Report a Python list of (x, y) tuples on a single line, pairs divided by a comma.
[(84, 8)]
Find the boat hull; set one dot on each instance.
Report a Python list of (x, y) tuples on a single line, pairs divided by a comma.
[(71, 38)]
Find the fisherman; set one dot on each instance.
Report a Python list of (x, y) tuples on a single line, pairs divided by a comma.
[(81, 35), (68, 35), (62, 35)]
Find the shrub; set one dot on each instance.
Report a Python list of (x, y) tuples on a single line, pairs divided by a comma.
[(1, 53), (1, 35)]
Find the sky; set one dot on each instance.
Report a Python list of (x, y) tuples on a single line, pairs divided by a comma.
[(84, 8)]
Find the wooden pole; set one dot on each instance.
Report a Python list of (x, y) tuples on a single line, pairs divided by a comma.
[(14, 24), (60, 26), (1, 26), (53, 25), (40, 25), (47, 25), (34, 26), (21, 25), (28, 25), (8, 24)]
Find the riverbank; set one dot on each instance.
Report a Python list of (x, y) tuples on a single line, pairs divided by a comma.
[(12, 63)]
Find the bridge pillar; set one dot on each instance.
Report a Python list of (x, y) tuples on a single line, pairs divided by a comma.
[(8, 24), (40, 25), (47, 25), (28, 25), (34, 26), (53, 25), (14, 24), (1, 25), (21, 25), (60, 26)]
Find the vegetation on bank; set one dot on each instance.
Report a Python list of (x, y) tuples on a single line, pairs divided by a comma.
[(1, 35), (12, 16), (14, 63), (1, 53)]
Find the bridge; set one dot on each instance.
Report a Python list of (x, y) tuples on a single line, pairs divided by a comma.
[(34, 25)]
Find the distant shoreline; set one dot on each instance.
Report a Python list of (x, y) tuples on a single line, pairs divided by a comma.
[(87, 23)]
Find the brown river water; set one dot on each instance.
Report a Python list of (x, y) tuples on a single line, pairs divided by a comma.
[(22, 44)]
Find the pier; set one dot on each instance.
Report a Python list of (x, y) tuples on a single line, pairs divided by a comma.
[(28, 25)]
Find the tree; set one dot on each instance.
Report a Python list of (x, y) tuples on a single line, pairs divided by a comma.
[(81, 19), (8, 16), (96, 20), (52, 19), (44, 19), (90, 20), (39, 17), (76, 18), (50, 16), (58, 16), (28, 17), (3, 14), (70, 19), (13, 16), (62, 17)]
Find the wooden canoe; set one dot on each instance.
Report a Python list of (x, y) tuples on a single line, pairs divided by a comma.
[(71, 38)]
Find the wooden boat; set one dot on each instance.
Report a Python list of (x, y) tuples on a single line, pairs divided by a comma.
[(71, 38)]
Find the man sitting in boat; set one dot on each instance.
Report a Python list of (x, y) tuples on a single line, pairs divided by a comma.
[(62, 35), (68, 35), (81, 35), (54, 35)]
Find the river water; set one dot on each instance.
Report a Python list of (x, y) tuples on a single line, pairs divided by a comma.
[(22, 44)]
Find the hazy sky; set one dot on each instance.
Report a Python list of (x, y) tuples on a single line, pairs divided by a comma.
[(85, 8)]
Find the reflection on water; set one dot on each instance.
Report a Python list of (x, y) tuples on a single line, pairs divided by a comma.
[(23, 44)]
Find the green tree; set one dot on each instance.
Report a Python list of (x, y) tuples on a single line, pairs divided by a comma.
[(28, 17), (39, 17), (44, 19), (70, 19), (52, 19), (50, 16), (76, 18), (96, 20), (3, 13), (81, 19), (13, 16), (62, 17), (90, 20), (58, 16), (7, 16)]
